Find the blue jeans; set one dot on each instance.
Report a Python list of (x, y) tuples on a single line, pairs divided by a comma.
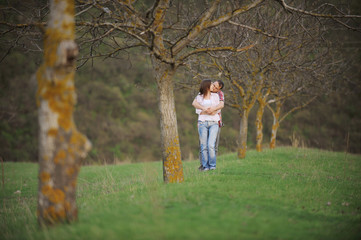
[(208, 131)]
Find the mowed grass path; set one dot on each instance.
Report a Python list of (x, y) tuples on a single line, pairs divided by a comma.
[(286, 193)]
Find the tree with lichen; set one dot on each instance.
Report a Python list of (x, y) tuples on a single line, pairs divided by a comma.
[(61, 145)]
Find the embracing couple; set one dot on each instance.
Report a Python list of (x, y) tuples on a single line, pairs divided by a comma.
[(208, 104)]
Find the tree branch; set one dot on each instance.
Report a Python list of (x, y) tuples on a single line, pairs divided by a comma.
[(256, 30), (297, 108), (194, 31), (226, 48), (283, 3)]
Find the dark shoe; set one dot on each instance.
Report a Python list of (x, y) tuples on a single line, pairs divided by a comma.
[(204, 169)]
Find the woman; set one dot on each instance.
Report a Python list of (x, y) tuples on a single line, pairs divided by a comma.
[(207, 124)]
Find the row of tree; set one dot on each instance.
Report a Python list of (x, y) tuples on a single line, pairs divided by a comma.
[(286, 62), (283, 57)]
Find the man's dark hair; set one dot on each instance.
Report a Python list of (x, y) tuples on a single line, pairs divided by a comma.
[(221, 84)]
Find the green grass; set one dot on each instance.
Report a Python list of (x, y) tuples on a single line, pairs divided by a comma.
[(286, 193)]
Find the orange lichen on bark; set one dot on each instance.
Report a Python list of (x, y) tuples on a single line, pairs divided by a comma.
[(242, 139), (67, 26), (272, 144), (77, 139), (67, 206), (60, 156), (51, 41), (54, 87), (46, 189), (273, 135), (276, 123), (65, 122), (259, 138), (61, 213), (73, 183), (242, 151), (51, 214), (70, 8), (70, 171), (275, 126), (44, 177), (52, 132), (259, 126), (60, 97), (54, 195), (173, 169)]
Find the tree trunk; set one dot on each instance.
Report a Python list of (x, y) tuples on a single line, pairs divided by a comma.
[(171, 154), (275, 125), (242, 140), (61, 146), (259, 125)]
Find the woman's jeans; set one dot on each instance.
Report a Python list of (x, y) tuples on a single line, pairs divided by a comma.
[(208, 131)]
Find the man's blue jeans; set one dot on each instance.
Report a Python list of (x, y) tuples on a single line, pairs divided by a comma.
[(208, 131)]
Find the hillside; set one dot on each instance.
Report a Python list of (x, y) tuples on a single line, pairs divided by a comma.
[(287, 193)]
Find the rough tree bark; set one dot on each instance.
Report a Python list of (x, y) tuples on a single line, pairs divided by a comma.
[(61, 146), (259, 125), (275, 124), (242, 139), (172, 163)]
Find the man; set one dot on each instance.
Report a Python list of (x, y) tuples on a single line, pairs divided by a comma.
[(215, 88)]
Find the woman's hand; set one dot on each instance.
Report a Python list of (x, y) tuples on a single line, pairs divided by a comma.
[(209, 111)]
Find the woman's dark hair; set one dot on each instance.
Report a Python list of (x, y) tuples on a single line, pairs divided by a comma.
[(205, 87)]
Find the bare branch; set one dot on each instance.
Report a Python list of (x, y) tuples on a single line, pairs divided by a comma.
[(297, 108), (283, 3), (195, 31), (256, 30), (234, 13), (226, 48), (24, 25)]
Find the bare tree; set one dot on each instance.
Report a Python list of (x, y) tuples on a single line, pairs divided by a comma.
[(61, 146)]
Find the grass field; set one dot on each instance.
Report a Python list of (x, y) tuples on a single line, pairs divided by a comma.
[(286, 193)]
